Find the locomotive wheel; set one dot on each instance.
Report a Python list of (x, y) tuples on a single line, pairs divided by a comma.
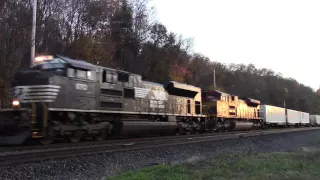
[(180, 131), (49, 138), (76, 136), (46, 140), (228, 126), (220, 127), (103, 134)]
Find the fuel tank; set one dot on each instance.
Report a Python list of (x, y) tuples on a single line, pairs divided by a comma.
[(241, 126), (235, 125), (148, 128)]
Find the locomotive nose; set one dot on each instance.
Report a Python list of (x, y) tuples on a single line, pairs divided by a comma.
[(33, 86), (31, 77)]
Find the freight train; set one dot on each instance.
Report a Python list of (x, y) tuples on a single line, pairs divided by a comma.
[(59, 97)]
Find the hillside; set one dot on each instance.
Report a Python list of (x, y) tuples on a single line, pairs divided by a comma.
[(121, 34)]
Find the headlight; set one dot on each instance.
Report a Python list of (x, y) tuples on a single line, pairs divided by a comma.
[(42, 58), (15, 103)]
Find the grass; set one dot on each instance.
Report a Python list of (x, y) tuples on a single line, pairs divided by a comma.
[(286, 165)]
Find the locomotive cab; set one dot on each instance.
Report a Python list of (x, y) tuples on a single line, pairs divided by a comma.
[(48, 78), (51, 82), (231, 112), (212, 99)]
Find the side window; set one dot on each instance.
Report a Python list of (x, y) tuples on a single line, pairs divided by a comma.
[(115, 77), (131, 80), (109, 76), (71, 72), (135, 80), (91, 75), (139, 79), (81, 74), (123, 77), (104, 76)]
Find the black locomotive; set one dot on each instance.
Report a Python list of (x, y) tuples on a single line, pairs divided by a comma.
[(62, 97)]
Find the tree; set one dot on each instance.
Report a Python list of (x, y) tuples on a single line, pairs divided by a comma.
[(318, 92), (123, 37), (122, 34), (14, 38)]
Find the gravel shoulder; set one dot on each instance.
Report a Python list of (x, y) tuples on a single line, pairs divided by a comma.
[(104, 165)]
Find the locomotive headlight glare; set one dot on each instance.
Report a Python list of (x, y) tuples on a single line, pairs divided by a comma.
[(42, 58), (15, 103)]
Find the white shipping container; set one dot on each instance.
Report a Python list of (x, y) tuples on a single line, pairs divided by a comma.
[(314, 119), (293, 117), (304, 118), (273, 114)]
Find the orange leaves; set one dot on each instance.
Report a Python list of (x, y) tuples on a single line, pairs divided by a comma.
[(178, 73)]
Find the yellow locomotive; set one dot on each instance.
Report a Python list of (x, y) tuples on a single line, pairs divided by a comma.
[(228, 112)]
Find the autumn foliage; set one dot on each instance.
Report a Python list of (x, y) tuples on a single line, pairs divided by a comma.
[(178, 73), (122, 34)]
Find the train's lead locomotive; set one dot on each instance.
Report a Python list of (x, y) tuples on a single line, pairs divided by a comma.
[(62, 97)]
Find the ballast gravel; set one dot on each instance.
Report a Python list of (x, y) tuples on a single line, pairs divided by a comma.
[(101, 166)]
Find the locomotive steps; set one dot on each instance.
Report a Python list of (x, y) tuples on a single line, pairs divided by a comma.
[(19, 156)]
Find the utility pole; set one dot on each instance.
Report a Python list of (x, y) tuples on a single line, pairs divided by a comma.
[(214, 78), (33, 32)]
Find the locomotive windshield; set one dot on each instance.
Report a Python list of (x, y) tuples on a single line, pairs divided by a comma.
[(55, 65)]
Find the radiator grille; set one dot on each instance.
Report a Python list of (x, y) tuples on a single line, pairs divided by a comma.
[(36, 93)]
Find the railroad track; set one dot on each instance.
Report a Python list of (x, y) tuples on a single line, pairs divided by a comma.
[(113, 141), (14, 157)]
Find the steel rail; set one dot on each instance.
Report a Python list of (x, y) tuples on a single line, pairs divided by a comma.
[(117, 140), (14, 158)]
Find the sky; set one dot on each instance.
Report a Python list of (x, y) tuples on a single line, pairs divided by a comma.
[(282, 35)]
